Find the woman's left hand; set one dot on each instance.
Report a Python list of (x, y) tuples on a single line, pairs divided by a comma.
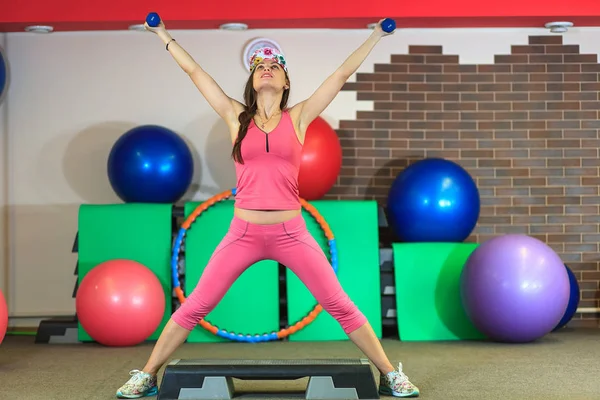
[(379, 31)]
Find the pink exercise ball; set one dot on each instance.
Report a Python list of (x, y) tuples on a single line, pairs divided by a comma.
[(3, 317), (120, 303)]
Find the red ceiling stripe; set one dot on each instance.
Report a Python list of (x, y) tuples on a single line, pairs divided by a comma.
[(78, 14)]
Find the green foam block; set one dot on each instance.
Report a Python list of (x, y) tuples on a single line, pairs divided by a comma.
[(138, 232), (355, 228), (427, 280), (251, 306)]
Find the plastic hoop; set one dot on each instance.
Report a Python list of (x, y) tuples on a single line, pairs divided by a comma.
[(231, 335)]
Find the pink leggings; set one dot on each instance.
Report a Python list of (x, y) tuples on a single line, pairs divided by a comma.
[(290, 244)]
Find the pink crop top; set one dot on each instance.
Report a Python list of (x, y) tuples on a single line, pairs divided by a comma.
[(268, 179)]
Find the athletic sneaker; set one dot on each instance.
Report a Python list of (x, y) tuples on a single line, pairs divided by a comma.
[(397, 384), (140, 384)]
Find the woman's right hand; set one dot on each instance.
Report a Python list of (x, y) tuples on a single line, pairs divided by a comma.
[(157, 29)]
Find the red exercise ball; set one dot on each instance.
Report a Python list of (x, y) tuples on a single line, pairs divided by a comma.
[(321, 160), (120, 303), (3, 317)]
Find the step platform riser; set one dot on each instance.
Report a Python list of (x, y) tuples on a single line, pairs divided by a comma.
[(213, 379)]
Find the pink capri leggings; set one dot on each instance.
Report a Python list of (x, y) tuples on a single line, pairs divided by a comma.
[(289, 243)]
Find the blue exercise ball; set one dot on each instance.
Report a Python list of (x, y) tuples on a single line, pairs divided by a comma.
[(150, 164), (574, 296), (433, 200), (3, 75)]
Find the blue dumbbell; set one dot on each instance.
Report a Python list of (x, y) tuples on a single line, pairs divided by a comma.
[(388, 25), (153, 20)]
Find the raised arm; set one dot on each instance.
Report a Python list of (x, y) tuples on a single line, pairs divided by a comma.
[(312, 107), (225, 106)]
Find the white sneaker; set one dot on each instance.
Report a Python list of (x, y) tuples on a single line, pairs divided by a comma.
[(141, 384), (397, 384)]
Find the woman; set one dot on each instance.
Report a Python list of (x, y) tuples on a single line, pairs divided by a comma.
[(267, 139)]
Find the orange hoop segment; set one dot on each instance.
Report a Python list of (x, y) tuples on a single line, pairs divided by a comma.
[(230, 335)]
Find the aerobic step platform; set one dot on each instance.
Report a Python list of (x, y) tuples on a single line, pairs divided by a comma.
[(213, 379)]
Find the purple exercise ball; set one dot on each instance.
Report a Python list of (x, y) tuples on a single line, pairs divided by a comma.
[(514, 288)]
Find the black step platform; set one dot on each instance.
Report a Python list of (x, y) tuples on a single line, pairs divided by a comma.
[(213, 379), (58, 330)]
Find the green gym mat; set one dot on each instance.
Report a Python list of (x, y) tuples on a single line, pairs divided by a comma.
[(427, 281), (139, 232), (355, 228), (251, 306)]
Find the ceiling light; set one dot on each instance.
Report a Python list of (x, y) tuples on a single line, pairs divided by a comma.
[(234, 26), (39, 29), (558, 27)]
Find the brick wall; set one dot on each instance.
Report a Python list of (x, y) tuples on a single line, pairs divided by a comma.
[(526, 128)]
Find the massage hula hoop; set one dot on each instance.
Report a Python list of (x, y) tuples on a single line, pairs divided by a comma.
[(231, 335)]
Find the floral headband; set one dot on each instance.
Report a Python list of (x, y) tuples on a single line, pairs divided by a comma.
[(266, 53)]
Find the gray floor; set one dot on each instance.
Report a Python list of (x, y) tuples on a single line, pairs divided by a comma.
[(564, 365)]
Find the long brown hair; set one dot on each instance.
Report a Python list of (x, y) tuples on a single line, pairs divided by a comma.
[(250, 108)]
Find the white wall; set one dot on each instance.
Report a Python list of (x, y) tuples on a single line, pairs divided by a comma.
[(73, 94), (3, 181)]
